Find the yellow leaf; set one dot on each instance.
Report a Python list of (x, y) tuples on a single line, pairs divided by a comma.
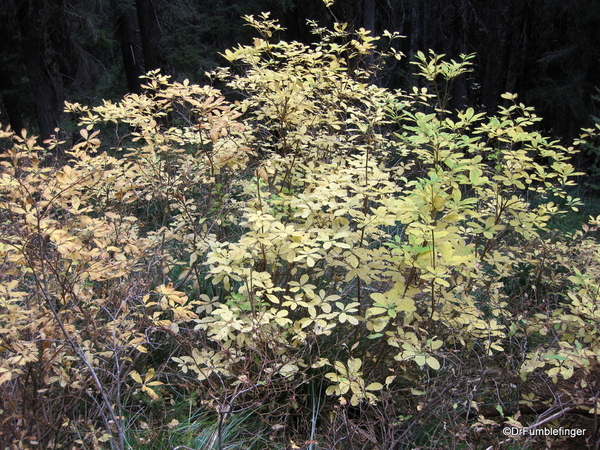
[(153, 395), (136, 376), (447, 251), (149, 375), (406, 304), (105, 437), (354, 365), (4, 377), (420, 360), (75, 202), (352, 260), (332, 390), (433, 363), (436, 344)]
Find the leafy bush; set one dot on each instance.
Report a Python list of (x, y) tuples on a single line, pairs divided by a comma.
[(348, 263), (87, 258)]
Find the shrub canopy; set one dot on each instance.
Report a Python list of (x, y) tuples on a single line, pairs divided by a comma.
[(321, 238)]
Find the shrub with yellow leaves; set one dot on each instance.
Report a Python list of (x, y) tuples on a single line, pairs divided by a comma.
[(321, 247)]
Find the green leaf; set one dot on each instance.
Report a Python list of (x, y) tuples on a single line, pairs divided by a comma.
[(560, 358), (500, 410)]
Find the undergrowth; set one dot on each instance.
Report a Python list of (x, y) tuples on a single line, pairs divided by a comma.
[(324, 264)]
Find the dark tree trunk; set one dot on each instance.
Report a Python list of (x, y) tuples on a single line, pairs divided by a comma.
[(60, 41), (150, 34), (10, 70), (416, 27), (517, 48), (369, 24), (294, 19), (10, 99), (459, 91), (43, 85), (130, 48), (369, 15)]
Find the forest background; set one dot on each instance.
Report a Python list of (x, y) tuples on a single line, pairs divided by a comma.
[(547, 51), (296, 234)]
